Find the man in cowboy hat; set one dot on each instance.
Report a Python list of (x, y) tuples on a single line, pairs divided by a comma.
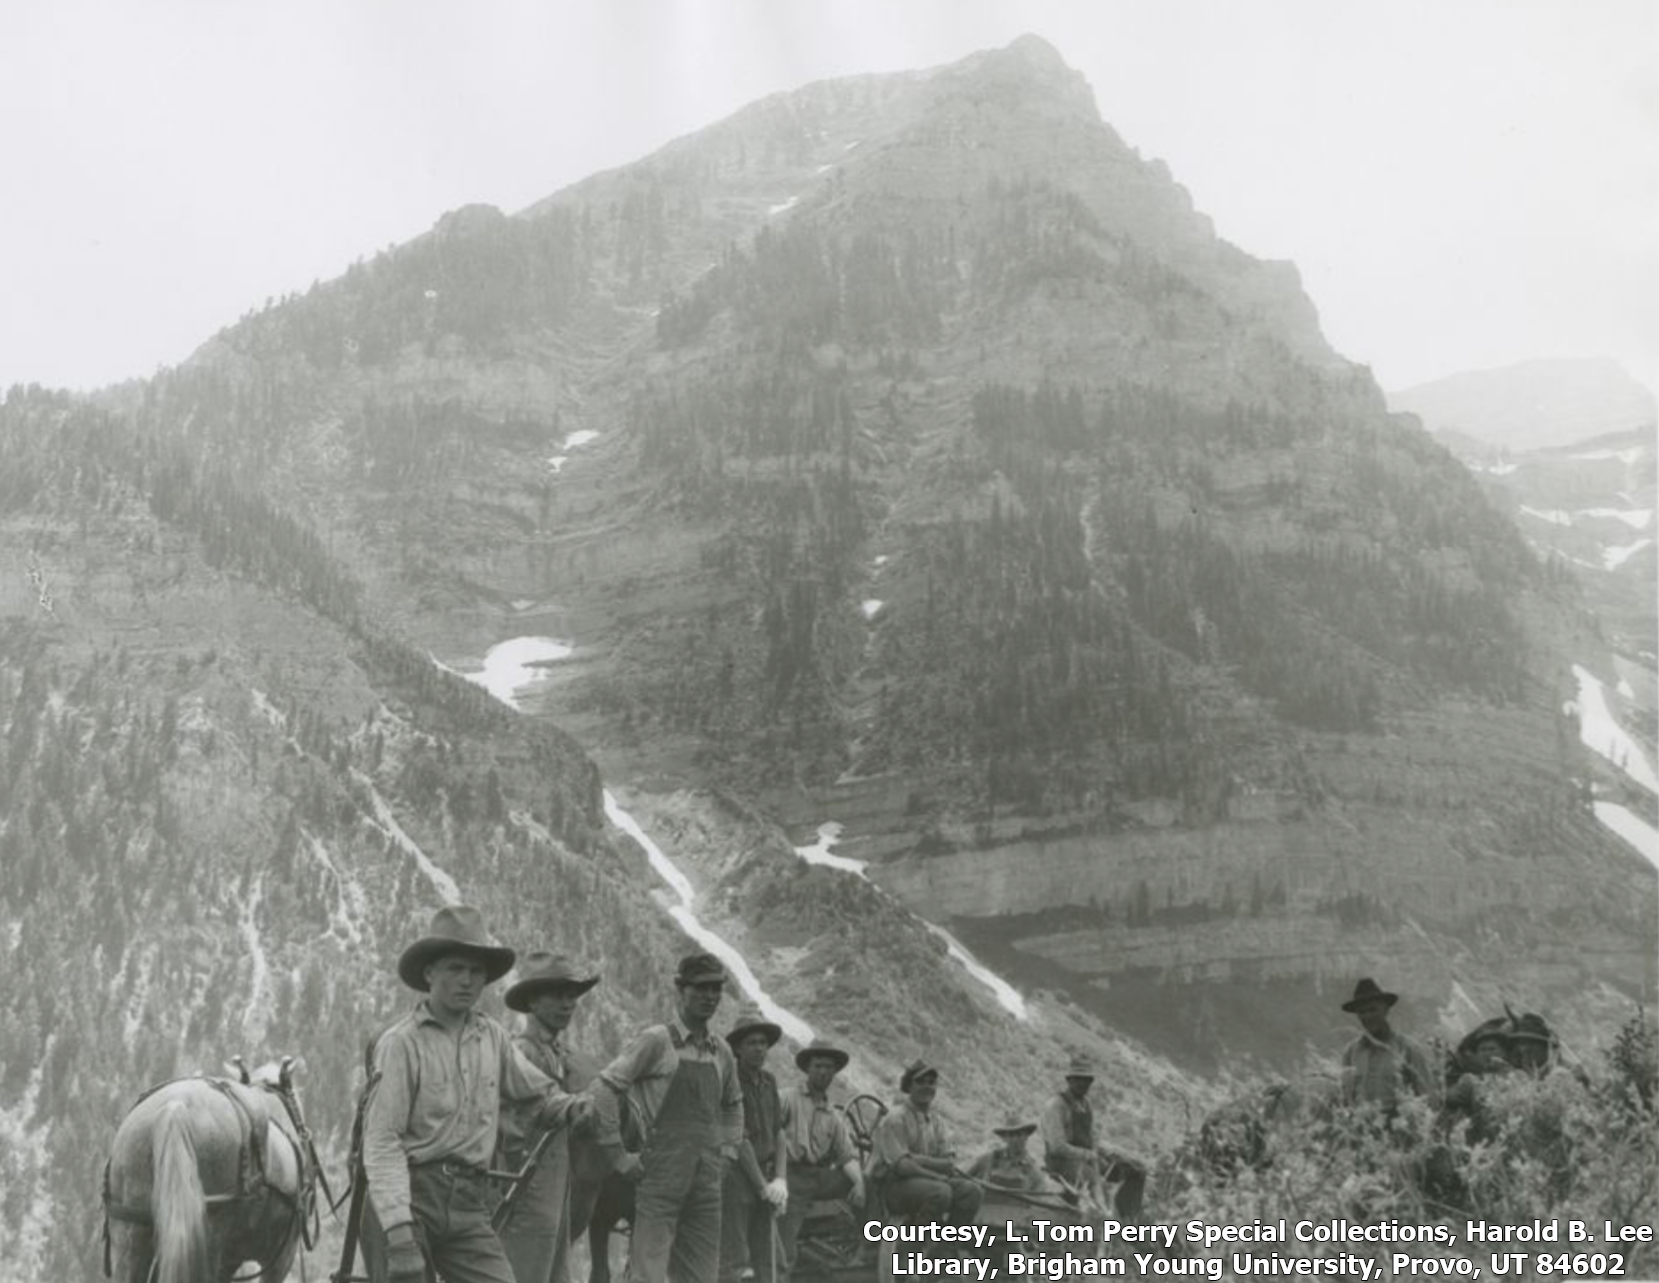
[(430, 1127), (536, 1235), (681, 1086), (1071, 1152), (757, 1188), (1010, 1165), (823, 1162), (913, 1164), (1382, 1065)]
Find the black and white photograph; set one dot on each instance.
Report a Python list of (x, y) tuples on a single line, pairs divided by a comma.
[(815, 641)]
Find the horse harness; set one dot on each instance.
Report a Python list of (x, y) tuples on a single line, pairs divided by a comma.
[(252, 1182)]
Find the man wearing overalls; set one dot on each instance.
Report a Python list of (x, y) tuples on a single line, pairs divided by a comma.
[(681, 1085)]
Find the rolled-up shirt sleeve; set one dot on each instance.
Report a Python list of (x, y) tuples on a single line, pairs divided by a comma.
[(385, 1162), (634, 1063), (522, 1082)]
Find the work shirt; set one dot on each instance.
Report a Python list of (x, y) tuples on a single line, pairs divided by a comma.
[(1067, 1128), (814, 1132), (541, 1047), (906, 1131), (761, 1113), (439, 1099), (1382, 1070), (645, 1068), (1010, 1171)]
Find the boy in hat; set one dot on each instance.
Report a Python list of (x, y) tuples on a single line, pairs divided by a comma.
[(1010, 1165), (536, 1235), (1382, 1065), (823, 1162), (914, 1164), (1071, 1152), (757, 1186), (430, 1126), (681, 1085)]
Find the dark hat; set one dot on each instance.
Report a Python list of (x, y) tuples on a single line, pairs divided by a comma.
[(543, 972), (457, 929), (700, 969), (821, 1047), (1531, 1028), (1497, 1027), (1079, 1067), (1367, 990), (917, 1068), (1013, 1125), (748, 1021)]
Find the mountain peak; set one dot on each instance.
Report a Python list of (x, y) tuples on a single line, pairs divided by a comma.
[(1028, 64)]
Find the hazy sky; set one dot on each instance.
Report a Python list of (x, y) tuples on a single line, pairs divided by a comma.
[(1464, 183)]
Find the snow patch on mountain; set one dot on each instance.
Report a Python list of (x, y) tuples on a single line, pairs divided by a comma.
[(28, 1155), (351, 906), (1601, 732), (1006, 995), (823, 851), (1632, 828), (387, 823), (254, 1015), (680, 908), (1613, 558)]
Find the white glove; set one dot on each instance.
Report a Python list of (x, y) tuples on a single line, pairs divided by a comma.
[(776, 1193)]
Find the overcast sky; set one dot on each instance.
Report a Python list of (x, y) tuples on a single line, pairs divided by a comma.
[(1463, 183)]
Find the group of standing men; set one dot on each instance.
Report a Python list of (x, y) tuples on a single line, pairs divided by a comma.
[(723, 1162)]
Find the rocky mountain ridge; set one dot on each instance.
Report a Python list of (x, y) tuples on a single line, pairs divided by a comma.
[(911, 444)]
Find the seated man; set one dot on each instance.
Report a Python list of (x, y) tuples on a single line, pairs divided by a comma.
[(1071, 1153), (1010, 1165), (821, 1160), (912, 1164)]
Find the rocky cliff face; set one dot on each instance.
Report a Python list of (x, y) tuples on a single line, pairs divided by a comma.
[(907, 452)]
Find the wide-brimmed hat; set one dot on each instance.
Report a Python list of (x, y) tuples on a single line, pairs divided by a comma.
[(456, 929), (1496, 1028), (1014, 1125), (917, 1068), (749, 1020), (700, 969), (543, 972), (817, 1048), (1368, 990), (1531, 1028), (1080, 1067)]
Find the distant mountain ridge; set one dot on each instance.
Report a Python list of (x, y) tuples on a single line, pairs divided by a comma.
[(1532, 404)]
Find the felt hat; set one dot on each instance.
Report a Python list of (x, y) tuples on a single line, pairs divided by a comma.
[(1014, 1125), (700, 969), (1531, 1028), (749, 1020), (457, 929), (543, 972), (918, 1068), (1367, 990), (1080, 1067), (821, 1047)]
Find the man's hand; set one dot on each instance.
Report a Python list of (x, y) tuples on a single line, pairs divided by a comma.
[(405, 1262), (856, 1197), (628, 1167), (776, 1192)]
